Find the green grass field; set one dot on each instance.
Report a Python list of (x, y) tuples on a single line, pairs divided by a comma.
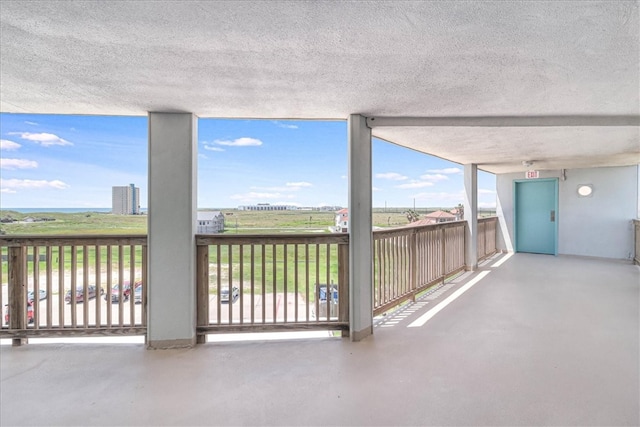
[(240, 222), (275, 270), (74, 223)]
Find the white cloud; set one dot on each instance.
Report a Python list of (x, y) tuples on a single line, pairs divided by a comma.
[(434, 177), (11, 164), (376, 189), (448, 171), (31, 123), (298, 185), (211, 148), (44, 139), (416, 184), (7, 191), (5, 144), (30, 183), (239, 142), (202, 156), (284, 125), (392, 176)]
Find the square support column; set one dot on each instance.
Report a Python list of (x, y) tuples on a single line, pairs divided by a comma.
[(173, 146), (360, 229), (471, 216)]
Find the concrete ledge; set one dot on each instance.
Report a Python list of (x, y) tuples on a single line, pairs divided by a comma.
[(360, 335), (170, 344)]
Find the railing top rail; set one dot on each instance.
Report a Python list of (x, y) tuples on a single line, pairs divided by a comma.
[(488, 219), (270, 239), (69, 240), (409, 229)]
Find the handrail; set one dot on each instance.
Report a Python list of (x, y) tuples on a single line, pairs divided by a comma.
[(487, 229), (271, 239), (398, 231), (68, 240), (271, 282), (283, 281), (76, 285), (636, 257), (411, 259)]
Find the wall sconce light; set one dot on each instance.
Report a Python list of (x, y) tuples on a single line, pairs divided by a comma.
[(527, 163), (585, 190)]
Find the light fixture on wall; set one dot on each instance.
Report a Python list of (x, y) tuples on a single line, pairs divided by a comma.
[(527, 163), (585, 190)]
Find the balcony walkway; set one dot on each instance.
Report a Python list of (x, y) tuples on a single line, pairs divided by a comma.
[(539, 340)]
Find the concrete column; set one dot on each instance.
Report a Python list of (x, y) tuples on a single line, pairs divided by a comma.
[(172, 206), (471, 215), (360, 229)]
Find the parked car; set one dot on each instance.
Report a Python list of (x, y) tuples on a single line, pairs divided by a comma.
[(42, 294), (126, 291), (115, 294), (322, 293), (29, 313), (322, 299), (224, 295), (79, 296), (137, 295)]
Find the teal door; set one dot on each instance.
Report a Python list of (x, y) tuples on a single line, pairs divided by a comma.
[(536, 216)]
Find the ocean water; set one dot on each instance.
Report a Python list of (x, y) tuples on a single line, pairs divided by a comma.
[(60, 210)]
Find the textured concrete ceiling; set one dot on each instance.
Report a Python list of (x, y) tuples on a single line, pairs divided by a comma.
[(326, 60)]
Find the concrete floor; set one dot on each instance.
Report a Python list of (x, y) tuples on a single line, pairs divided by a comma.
[(540, 340)]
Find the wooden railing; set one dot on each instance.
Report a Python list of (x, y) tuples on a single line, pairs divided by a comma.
[(73, 285), (244, 282), (636, 227), (486, 237), (409, 260), (271, 282)]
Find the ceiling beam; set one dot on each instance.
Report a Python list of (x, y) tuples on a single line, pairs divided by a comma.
[(505, 121)]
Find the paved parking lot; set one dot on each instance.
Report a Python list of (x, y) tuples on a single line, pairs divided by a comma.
[(90, 307), (277, 306)]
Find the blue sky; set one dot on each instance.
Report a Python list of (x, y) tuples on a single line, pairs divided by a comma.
[(73, 161)]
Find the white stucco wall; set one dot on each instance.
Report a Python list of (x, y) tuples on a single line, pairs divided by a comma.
[(598, 226)]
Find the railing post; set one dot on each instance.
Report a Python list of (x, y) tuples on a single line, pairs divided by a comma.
[(17, 291), (145, 290), (202, 290), (636, 256), (413, 265), (343, 286), (443, 241), (486, 249)]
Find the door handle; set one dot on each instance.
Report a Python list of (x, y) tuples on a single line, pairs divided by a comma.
[(553, 216)]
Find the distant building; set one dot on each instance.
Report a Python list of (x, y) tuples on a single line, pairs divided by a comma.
[(125, 200), (210, 222), (267, 207), (458, 213), (441, 216), (329, 208), (342, 221), (433, 218), (423, 221)]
